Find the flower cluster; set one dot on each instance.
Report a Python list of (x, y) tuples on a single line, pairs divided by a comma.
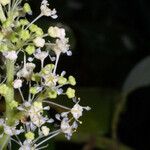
[(31, 113)]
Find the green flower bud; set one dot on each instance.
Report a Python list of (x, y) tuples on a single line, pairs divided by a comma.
[(13, 38), (62, 80), (30, 136), (13, 104), (38, 105), (24, 22), (33, 90), (70, 93), (24, 35), (72, 80), (48, 68), (33, 28), (30, 49), (52, 94), (3, 48), (3, 89), (27, 8), (7, 23), (39, 31), (36, 77)]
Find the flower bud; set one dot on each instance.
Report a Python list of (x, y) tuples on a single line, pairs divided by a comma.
[(39, 42), (45, 130), (24, 35), (72, 80), (30, 136), (30, 49), (52, 94), (27, 9), (70, 93), (62, 80)]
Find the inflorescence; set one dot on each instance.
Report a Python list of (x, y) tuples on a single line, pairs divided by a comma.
[(18, 35)]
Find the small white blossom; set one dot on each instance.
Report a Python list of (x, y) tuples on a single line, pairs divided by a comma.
[(39, 42), (45, 11), (35, 114), (45, 130), (27, 145), (41, 55), (26, 71), (11, 55), (17, 83), (12, 130), (66, 128), (56, 32), (77, 111), (61, 46)]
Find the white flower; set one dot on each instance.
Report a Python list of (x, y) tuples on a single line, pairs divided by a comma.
[(11, 55), (35, 114), (50, 80), (27, 145), (45, 130), (77, 111), (17, 83), (4, 2), (12, 130), (45, 11), (41, 55), (66, 128), (39, 42), (61, 46), (56, 32), (26, 71)]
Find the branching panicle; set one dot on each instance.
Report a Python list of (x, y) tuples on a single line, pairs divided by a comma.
[(18, 35)]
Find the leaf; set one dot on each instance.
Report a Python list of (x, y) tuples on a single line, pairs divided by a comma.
[(138, 77)]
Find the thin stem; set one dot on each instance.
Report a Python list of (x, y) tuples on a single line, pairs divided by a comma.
[(43, 147), (15, 141), (42, 64), (45, 35), (56, 63), (18, 139), (21, 94), (48, 139), (55, 104), (43, 136), (38, 17), (3, 81), (29, 96)]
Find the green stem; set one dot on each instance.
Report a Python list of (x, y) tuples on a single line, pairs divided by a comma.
[(8, 98), (4, 142), (118, 111)]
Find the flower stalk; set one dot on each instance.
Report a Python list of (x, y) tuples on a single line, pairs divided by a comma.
[(9, 97)]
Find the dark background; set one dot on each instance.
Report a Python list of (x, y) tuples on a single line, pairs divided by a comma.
[(108, 38)]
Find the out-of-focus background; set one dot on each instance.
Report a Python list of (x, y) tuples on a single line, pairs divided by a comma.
[(110, 44)]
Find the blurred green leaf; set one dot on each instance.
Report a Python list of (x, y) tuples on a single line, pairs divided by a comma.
[(138, 77)]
